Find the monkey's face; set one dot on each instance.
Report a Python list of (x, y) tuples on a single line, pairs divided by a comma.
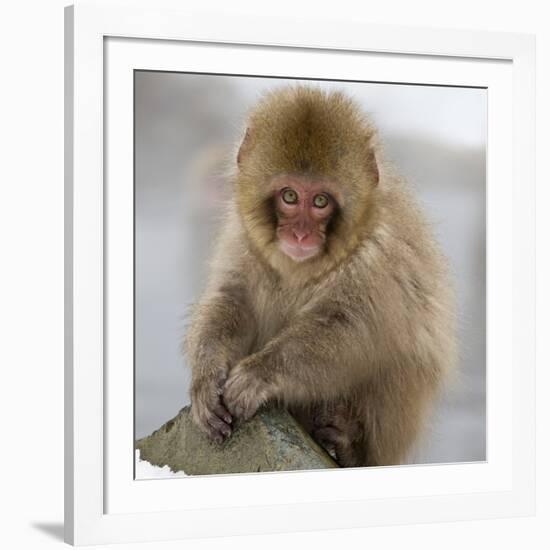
[(303, 209), (306, 173)]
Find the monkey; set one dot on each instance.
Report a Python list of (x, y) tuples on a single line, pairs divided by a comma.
[(327, 292)]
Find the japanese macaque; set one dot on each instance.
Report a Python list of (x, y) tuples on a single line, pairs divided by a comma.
[(327, 293)]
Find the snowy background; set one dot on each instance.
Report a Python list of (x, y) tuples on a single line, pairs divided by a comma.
[(185, 128)]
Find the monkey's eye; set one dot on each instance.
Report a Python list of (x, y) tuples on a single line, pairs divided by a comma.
[(320, 201), (290, 196)]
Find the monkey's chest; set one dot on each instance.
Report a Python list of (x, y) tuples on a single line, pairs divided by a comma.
[(274, 310)]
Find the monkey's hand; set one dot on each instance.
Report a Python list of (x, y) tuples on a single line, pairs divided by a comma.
[(207, 409), (247, 387)]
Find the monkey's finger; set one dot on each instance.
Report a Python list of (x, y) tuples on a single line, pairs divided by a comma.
[(240, 412), (229, 398), (215, 435), (223, 413), (212, 433), (244, 409), (234, 406), (219, 425), (249, 411)]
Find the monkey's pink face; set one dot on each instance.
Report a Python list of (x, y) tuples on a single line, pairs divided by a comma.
[(303, 209)]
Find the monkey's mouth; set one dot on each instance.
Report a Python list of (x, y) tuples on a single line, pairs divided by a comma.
[(298, 252)]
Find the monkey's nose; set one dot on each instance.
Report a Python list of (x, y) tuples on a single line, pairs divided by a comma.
[(300, 234)]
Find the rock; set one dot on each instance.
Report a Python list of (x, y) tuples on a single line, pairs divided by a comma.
[(271, 441)]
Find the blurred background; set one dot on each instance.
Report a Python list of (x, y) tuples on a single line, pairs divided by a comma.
[(186, 126)]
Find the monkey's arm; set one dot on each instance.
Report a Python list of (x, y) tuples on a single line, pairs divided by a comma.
[(320, 356), (219, 335)]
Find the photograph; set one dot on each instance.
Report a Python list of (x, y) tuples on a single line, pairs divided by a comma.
[(309, 274), (300, 264)]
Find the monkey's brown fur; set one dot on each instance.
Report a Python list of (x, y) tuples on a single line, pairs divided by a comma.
[(356, 341)]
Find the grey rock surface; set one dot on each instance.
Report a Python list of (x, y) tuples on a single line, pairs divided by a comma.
[(271, 441)]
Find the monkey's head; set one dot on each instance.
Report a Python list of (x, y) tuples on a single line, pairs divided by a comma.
[(306, 175)]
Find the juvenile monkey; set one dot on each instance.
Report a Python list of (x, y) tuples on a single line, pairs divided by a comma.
[(327, 293)]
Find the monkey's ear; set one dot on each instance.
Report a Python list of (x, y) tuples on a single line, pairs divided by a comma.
[(246, 146), (372, 166)]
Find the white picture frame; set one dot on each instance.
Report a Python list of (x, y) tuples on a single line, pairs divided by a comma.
[(103, 503)]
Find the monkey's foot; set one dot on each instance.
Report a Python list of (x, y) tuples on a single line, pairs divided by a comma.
[(338, 444)]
